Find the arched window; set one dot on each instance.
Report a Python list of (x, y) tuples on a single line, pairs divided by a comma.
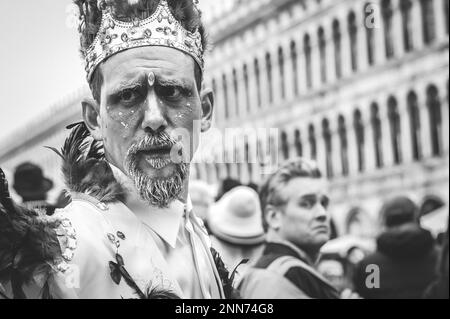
[(247, 87), (298, 143), (308, 60), (434, 109), (323, 55), (446, 11), (328, 147), (344, 145), (236, 91), (337, 48), (394, 121), (284, 145), (257, 82), (294, 60), (281, 68), (225, 96), (388, 35), (360, 138), (377, 135), (312, 142), (414, 120), (269, 77), (428, 26), (406, 9), (370, 32), (353, 33)]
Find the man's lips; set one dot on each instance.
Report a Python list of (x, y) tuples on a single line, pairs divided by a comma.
[(322, 228), (156, 151)]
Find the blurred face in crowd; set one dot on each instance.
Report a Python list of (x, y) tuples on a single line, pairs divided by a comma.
[(303, 220), (149, 118)]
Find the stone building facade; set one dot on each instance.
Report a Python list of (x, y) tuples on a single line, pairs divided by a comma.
[(359, 86)]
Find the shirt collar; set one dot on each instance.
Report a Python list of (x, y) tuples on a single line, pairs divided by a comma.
[(274, 239), (165, 222)]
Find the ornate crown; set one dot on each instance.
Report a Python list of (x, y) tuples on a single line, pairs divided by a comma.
[(160, 29)]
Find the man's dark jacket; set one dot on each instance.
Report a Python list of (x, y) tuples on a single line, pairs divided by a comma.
[(292, 278), (406, 259)]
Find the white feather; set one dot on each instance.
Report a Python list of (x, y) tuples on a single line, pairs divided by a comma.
[(133, 2)]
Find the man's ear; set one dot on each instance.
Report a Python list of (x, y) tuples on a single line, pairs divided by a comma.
[(274, 217), (91, 116), (207, 97)]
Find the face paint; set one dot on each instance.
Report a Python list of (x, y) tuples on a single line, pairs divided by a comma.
[(151, 79)]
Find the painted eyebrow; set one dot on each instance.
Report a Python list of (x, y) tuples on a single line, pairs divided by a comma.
[(172, 82), (126, 84)]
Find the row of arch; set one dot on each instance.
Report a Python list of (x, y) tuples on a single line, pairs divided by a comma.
[(276, 76), (381, 131), (358, 128)]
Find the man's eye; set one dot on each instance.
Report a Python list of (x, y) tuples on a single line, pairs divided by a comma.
[(306, 204), (170, 92), (128, 96)]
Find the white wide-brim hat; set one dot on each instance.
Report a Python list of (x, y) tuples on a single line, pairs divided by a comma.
[(237, 218)]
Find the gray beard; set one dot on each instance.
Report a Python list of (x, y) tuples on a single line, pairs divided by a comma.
[(158, 192)]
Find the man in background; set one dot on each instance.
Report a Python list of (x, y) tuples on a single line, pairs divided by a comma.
[(31, 185), (294, 202)]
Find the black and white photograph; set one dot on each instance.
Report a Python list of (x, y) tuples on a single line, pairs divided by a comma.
[(224, 155)]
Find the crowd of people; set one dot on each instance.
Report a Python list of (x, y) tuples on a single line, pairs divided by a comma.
[(136, 225), (281, 235), (270, 238)]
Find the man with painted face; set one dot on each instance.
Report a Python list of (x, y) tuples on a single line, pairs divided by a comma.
[(130, 231)]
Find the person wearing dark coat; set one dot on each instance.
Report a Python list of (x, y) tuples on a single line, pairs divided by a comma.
[(406, 256), (439, 289)]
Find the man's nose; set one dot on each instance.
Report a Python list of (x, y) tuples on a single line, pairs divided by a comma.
[(154, 117), (320, 212)]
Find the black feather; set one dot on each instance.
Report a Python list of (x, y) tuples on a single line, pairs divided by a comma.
[(226, 278), (28, 242), (85, 169)]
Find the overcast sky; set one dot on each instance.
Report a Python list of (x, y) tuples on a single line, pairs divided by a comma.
[(39, 59)]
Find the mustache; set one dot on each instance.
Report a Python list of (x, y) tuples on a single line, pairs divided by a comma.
[(161, 140)]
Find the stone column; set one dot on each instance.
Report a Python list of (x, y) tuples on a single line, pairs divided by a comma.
[(425, 131), (321, 149), (315, 61), (416, 15), (330, 55), (439, 20), (264, 82), (346, 53), (289, 72), (352, 147), (369, 141), (219, 100), (242, 92), (253, 91), (397, 28), (336, 160), (405, 122), (302, 77), (363, 55), (380, 43), (387, 148)]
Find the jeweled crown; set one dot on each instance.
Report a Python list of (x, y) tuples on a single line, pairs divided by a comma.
[(160, 29)]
